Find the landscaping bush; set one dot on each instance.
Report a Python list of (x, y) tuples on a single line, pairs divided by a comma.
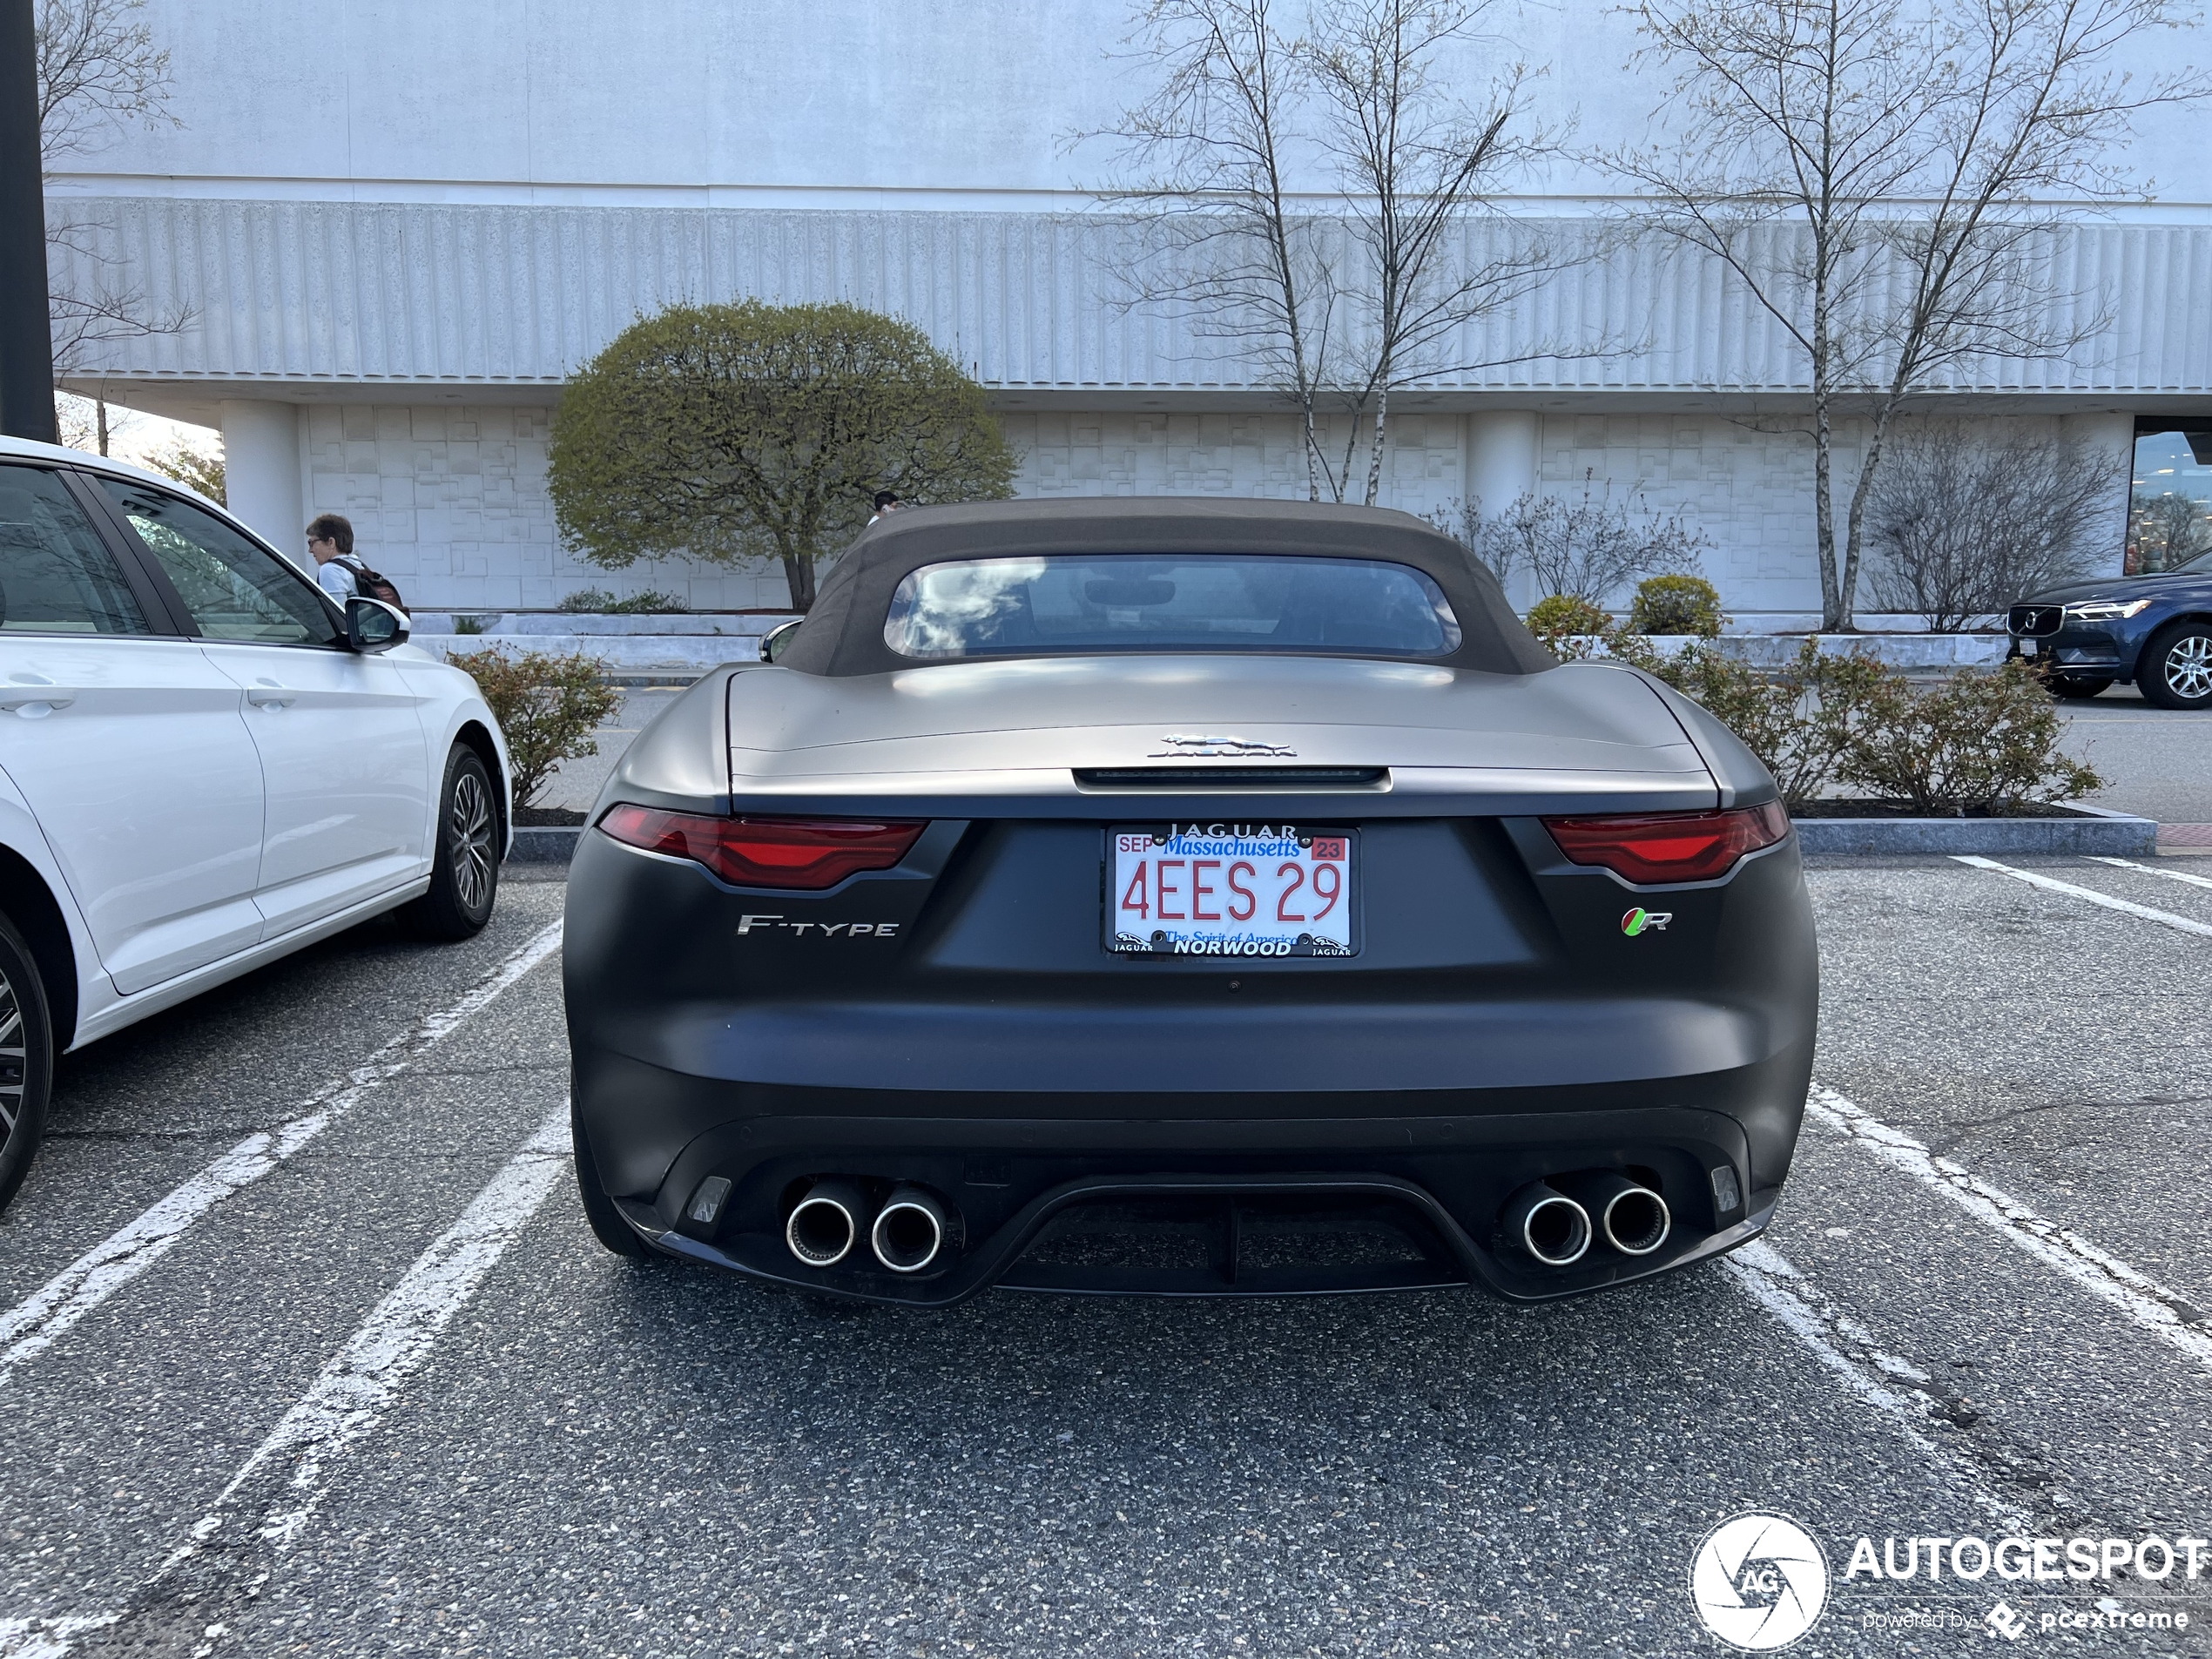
[(1959, 528), (1676, 605), (1586, 547), (548, 705), (1974, 742), (1567, 625), (598, 601), (1801, 722)]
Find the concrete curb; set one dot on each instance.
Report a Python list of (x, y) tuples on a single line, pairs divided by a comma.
[(2094, 831), (552, 845)]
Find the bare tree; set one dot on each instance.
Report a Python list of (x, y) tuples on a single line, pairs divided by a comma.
[(1587, 548), (99, 69), (1206, 160), (1877, 177), (1342, 296), (1960, 529)]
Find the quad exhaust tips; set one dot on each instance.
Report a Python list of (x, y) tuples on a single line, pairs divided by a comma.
[(1556, 1220), (909, 1230), (826, 1223)]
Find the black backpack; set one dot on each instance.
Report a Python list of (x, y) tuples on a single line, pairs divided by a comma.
[(371, 584)]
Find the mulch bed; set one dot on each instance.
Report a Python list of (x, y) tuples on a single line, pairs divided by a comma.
[(548, 818)]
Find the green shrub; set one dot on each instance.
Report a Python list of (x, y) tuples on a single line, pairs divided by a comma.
[(1800, 722), (1676, 605), (547, 705), (467, 624), (1972, 743), (1567, 626), (599, 601)]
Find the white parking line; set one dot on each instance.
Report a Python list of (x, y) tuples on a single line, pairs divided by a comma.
[(45, 1638), (350, 1398), (2152, 869), (1847, 1349), (290, 1471), (2035, 879), (42, 1319), (2163, 1313)]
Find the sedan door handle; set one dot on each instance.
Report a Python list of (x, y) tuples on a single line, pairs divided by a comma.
[(18, 699), (271, 697)]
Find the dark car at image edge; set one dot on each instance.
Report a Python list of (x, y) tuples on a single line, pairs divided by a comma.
[(883, 981), (2153, 631)]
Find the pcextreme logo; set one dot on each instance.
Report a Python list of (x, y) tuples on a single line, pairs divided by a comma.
[(1758, 1581), (1640, 921)]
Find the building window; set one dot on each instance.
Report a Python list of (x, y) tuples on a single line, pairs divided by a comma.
[(2169, 511)]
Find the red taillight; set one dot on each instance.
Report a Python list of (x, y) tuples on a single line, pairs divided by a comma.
[(1651, 848), (765, 852)]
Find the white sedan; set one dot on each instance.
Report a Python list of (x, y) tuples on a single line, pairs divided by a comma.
[(205, 763)]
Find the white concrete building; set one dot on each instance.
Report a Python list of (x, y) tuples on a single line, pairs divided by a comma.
[(398, 227)]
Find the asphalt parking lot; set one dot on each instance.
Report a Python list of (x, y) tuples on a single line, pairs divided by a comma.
[(305, 1348)]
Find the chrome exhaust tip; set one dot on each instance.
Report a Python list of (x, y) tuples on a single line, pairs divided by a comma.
[(1633, 1218), (826, 1223), (908, 1231), (1548, 1225)]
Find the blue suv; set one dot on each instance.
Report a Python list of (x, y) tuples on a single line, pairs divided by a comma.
[(2154, 630)]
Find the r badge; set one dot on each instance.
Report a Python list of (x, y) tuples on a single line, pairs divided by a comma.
[(1640, 920)]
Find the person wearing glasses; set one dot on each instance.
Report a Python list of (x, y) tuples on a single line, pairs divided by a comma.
[(330, 540)]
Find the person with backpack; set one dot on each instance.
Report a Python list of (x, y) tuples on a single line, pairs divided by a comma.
[(330, 539)]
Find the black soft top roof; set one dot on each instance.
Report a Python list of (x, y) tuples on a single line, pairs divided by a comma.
[(844, 632)]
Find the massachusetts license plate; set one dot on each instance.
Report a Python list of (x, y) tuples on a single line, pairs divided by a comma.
[(1230, 890)]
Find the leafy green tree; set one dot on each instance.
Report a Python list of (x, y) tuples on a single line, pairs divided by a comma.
[(193, 467), (747, 432)]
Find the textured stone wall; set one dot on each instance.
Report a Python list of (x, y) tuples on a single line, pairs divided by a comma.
[(450, 501)]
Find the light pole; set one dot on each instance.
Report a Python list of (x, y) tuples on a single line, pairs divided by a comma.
[(26, 341)]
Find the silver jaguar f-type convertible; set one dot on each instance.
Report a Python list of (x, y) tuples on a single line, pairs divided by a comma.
[(1196, 898)]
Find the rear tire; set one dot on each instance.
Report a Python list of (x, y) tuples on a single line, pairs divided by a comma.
[(607, 1225), (2176, 671), (464, 877), (26, 1060)]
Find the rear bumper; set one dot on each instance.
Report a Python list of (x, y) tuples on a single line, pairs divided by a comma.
[(1218, 1199)]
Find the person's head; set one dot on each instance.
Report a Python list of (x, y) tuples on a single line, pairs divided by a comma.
[(886, 501), (329, 537)]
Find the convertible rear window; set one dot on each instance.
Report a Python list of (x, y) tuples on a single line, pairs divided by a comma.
[(1152, 602)]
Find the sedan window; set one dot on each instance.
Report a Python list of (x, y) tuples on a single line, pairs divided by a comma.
[(56, 574), (1203, 602), (234, 588)]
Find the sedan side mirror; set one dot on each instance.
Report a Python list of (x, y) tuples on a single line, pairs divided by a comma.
[(772, 642), (372, 625)]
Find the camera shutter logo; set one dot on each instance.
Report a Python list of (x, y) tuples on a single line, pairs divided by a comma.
[(1758, 1581)]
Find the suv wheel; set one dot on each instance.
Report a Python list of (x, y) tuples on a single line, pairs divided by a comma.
[(26, 1060), (2176, 671), (464, 878)]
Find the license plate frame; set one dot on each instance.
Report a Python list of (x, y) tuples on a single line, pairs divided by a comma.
[(1219, 937)]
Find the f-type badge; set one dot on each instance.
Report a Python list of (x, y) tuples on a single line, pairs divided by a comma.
[(1206, 748)]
